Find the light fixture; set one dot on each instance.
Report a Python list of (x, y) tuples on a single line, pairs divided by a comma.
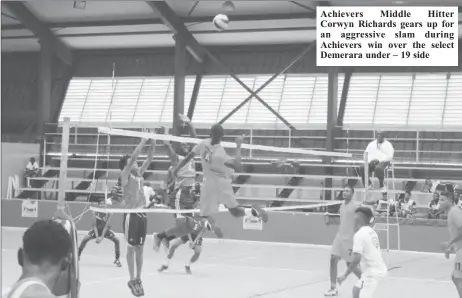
[(80, 4)]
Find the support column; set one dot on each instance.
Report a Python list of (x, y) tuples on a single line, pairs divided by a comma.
[(179, 83), (332, 94), (44, 88), (195, 93)]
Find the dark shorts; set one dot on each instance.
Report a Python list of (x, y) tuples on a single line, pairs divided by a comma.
[(135, 226), (193, 235), (108, 234), (185, 199)]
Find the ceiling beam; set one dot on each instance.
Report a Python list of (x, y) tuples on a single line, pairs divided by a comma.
[(151, 21), (31, 22), (169, 18)]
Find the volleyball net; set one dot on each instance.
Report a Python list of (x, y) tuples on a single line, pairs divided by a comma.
[(280, 186)]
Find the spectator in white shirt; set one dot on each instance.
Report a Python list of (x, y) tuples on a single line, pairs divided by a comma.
[(32, 170), (149, 193), (407, 206), (379, 154)]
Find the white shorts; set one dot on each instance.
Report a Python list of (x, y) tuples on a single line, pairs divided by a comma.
[(215, 192), (367, 286)]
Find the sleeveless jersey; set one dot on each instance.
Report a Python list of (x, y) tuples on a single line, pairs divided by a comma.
[(133, 193), (213, 159), (346, 229), (186, 175), (29, 288)]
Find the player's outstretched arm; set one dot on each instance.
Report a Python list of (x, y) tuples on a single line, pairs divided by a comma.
[(187, 121), (95, 229), (148, 160), (356, 259), (236, 163), (171, 153), (106, 225), (131, 161)]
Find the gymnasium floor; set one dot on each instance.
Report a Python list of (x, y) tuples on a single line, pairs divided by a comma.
[(236, 269)]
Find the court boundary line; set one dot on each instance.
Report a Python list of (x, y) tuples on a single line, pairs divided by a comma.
[(266, 243)]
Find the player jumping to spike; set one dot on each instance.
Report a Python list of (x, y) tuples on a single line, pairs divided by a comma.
[(343, 242), (217, 187), (366, 253), (101, 229), (135, 224)]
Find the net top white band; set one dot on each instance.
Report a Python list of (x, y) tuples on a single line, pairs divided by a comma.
[(174, 211), (165, 137)]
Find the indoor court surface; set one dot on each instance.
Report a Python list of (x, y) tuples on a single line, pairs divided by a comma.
[(238, 269)]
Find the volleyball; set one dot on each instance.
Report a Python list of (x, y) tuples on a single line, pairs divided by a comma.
[(220, 22)]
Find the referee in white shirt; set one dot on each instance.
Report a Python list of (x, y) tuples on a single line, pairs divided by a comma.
[(379, 154)]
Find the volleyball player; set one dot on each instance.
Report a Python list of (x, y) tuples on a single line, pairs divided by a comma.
[(455, 230), (217, 187), (195, 239), (366, 253), (343, 242), (44, 257), (135, 224), (182, 195), (101, 229)]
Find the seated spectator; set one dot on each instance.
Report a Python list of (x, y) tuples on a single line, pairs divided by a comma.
[(430, 186), (32, 170), (434, 207), (407, 207), (382, 205)]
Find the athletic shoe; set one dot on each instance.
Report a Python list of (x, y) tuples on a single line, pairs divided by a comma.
[(332, 292), (166, 245), (139, 286), (133, 287), (188, 269), (214, 228), (162, 268), (117, 263), (383, 189), (261, 213), (157, 242)]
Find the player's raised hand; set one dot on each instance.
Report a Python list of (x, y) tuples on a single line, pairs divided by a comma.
[(99, 239)]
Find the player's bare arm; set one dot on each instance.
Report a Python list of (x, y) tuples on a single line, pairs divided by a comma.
[(236, 163), (106, 225), (95, 229), (171, 153), (188, 123), (132, 159), (356, 259), (148, 160)]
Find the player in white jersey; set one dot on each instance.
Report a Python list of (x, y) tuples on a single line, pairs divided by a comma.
[(447, 203), (217, 187), (367, 254), (343, 242)]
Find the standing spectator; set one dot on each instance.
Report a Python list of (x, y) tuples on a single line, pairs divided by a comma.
[(32, 170), (434, 207), (407, 206), (379, 154)]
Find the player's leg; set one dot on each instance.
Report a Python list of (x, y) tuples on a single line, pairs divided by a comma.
[(90, 236), (197, 248), (458, 283), (183, 226), (171, 251), (365, 287), (111, 236), (335, 257), (129, 233), (139, 248), (228, 199), (457, 273)]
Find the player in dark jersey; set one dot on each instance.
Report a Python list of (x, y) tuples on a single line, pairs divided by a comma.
[(195, 238), (101, 229)]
